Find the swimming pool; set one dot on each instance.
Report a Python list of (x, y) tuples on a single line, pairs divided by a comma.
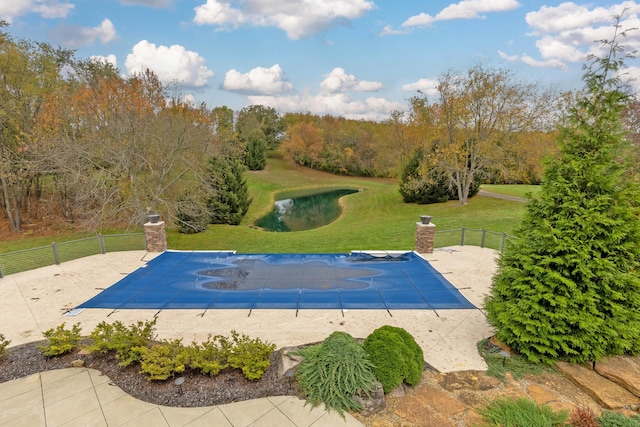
[(226, 280)]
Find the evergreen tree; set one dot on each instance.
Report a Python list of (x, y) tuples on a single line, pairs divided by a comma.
[(256, 158), (228, 199), (569, 288)]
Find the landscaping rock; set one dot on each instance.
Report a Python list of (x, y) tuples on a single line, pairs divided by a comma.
[(288, 362), (621, 370), (373, 403), (430, 406), (607, 393), (541, 395), (461, 380)]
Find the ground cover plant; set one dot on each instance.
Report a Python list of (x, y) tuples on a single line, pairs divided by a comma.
[(498, 364), (521, 413)]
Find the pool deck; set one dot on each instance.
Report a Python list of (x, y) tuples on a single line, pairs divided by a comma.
[(35, 301)]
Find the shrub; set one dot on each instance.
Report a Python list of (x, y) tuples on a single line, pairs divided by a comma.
[(211, 356), (252, 356), (163, 359), (583, 417), (192, 215), (127, 342), (61, 340), (4, 343), (521, 413), (614, 419), (395, 356), (334, 371)]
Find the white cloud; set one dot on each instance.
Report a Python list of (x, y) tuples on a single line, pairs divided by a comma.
[(259, 81), (49, 9), (338, 104), (568, 32), (510, 58), (109, 59), (149, 3), (426, 86), (170, 64), (73, 37), (466, 9), (298, 18), (339, 81), (388, 31)]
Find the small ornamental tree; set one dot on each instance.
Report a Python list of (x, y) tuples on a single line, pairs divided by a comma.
[(569, 288)]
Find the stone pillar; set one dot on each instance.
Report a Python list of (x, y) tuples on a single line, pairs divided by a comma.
[(155, 236), (425, 235)]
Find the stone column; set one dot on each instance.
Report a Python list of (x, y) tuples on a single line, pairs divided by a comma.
[(425, 235), (155, 236)]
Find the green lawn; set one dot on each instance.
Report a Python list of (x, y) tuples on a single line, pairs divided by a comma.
[(373, 218)]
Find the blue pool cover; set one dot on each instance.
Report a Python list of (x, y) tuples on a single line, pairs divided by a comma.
[(226, 280)]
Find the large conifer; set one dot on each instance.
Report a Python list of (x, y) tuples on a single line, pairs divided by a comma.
[(570, 287)]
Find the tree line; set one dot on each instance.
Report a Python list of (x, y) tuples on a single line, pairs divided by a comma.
[(82, 143)]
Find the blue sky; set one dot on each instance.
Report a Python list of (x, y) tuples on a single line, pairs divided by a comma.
[(359, 59)]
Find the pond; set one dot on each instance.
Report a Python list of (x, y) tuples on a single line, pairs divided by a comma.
[(305, 212)]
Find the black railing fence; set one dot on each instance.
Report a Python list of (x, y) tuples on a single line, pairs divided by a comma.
[(29, 259)]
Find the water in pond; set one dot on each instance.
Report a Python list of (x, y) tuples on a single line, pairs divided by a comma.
[(304, 213)]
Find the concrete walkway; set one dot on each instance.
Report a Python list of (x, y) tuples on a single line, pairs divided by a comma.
[(83, 397), (35, 301)]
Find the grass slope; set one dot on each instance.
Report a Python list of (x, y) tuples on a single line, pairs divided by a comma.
[(374, 218)]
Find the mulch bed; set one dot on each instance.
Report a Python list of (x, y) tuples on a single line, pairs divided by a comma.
[(228, 386)]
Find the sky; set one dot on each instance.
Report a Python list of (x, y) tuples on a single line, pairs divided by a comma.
[(359, 59)]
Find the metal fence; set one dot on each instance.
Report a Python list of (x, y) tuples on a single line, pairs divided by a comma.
[(28, 259), (473, 237)]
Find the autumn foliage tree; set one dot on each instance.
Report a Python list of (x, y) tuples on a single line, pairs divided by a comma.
[(29, 72), (117, 148), (569, 287), (476, 117)]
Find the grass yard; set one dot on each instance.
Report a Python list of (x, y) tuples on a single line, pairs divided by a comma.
[(374, 218), (511, 190)]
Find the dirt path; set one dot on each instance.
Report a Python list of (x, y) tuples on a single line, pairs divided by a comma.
[(501, 196)]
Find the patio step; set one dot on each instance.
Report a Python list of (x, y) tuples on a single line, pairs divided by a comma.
[(612, 382)]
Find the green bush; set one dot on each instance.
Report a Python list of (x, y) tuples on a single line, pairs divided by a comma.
[(127, 342), (252, 356), (614, 419), (395, 355), (4, 343), (61, 340), (521, 413), (163, 359), (211, 356), (334, 371)]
